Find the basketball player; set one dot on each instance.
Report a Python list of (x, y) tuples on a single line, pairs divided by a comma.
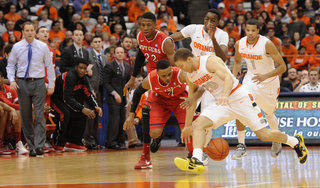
[(153, 46), (169, 89), (261, 80), (231, 101), (205, 40)]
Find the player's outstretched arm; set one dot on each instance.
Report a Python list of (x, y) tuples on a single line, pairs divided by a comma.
[(237, 60), (219, 50), (142, 88), (168, 49), (140, 58), (177, 36)]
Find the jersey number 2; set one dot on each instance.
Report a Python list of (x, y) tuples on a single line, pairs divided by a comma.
[(154, 58)]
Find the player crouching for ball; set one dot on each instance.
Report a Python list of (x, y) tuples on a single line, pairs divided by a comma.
[(231, 101)]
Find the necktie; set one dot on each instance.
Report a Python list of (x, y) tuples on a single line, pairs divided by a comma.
[(80, 53), (122, 69), (101, 70), (29, 60)]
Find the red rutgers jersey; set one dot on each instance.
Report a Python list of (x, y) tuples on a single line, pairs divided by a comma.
[(174, 89), (153, 49)]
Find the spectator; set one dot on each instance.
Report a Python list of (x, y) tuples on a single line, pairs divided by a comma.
[(288, 49), (77, 4), (4, 61), (224, 14), (134, 8), (35, 23), (12, 39), (92, 6), (105, 41), (304, 74), (243, 27), (231, 32), (310, 41), (105, 7), (65, 12), (12, 15), (300, 62), (68, 60), (285, 31), (53, 13), (285, 85), (277, 24), (2, 23), (22, 5), (87, 21), (110, 51), (316, 23), (24, 18), (275, 10), (162, 11), (80, 26), (68, 105), (297, 25), (313, 85), (152, 6), (257, 9), (69, 42), (117, 30), (275, 40), (120, 18), (240, 10), (302, 17), (75, 19), (171, 25), (126, 44), (117, 73), (5, 6), (267, 6), (293, 77), (55, 49), (314, 59), (232, 16), (231, 4), (117, 20), (98, 30), (296, 40), (105, 27), (291, 7), (55, 34), (262, 26), (86, 43), (243, 74), (309, 11), (265, 16), (44, 20), (231, 49), (180, 10), (96, 80), (5, 35), (240, 21), (168, 9), (285, 18), (248, 15), (133, 51), (63, 44), (121, 6), (142, 9)]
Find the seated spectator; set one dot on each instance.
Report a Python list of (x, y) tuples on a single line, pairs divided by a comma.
[(285, 85), (12, 39), (168, 9), (121, 5), (142, 9), (68, 105), (285, 31), (274, 11), (10, 26), (86, 43), (313, 85), (53, 13), (117, 20), (231, 32), (222, 24), (316, 23), (35, 23), (105, 40), (171, 25), (291, 7), (105, 7), (242, 74), (92, 6), (117, 30), (285, 18), (54, 47), (133, 51), (152, 5), (303, 17), (22, 5), (61, 25), (284, 3), (98, 30), (80, 26), (267, 6), (224, 14), (110, 52), (314, 59), (231, 4), (77, 4), (265, 16), (66, 12), (44, 20), (310, 41), (232, 16), (262, 26), (309, 11), (4, 61), (304, 74), (55, 34), (162, 11), (240, 20), (277, 24), (63, 44), (297, 25), (231, 49), (288, 49), (240, 10), (87, 21), (75, 19), (24, 18), (180, 9), (293, 77), (257, 9), (10, 118), (243, 28), (5, 6), (300, 62), (104, 26), (69, 42), (115, 11), (12, 15), (248, 15), (2, 23)]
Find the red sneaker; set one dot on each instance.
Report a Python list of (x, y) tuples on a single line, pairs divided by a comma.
[(47, 150), (74, 147), (58, 148), (144, 162), (5, 151)]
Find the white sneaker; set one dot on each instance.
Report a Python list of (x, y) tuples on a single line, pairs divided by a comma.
[(241, 152), (276, 149), (20, 149), (205, 159)]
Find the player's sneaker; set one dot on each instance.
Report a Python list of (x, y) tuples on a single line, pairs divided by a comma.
[(74, 147), (144, 162), (241, 152), (6, 151), (156, 143), (58, 148), (20, 149), (189, 164), (47, 150), (276, 149), (301, 149), (205, 159)]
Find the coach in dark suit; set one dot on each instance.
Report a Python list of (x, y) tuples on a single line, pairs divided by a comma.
[(67, 61), (116, 75), (98, 60)]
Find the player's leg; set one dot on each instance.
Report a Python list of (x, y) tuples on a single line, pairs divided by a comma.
[(241, 147), (3, 122), (20, 149)]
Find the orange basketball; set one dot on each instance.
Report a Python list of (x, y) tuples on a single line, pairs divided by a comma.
[(218, 149)]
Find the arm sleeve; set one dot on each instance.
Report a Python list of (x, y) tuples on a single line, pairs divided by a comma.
[(136, 98), (65, 58), (188, 30), (224, 39), (69, 83), (107, 72), (5, 100), (11, 67), (140, 58), (50, 68)]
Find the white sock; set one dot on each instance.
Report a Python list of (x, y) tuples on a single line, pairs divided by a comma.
[(292, 141), (197, 153), (241, 136), (273, 121)]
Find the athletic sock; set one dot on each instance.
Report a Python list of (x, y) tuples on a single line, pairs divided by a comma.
[(146, 125), (292, 141), (146, 148), (241, 136), (197, 153)]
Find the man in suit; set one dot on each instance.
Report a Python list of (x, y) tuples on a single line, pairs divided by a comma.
[(67, 61), (99, 60), (116, 74)]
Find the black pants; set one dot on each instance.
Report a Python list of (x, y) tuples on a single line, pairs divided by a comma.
[(115, 132), (71, 125)]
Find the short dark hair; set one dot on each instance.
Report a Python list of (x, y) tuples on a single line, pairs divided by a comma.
[(40, 28), (253, 22), (182, 54), (81, 60), (214, 11), (163, 64), (125, 36), (54, 23), (315, 46), (86, 10), (27, 23), (149, 15), (8, 48), (301, 47), (95, 37)]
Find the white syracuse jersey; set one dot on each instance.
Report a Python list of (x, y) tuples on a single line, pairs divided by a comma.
[(211, 81), (201, 43), (258, 62)]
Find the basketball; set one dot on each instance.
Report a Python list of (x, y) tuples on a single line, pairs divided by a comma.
[(218, 149)]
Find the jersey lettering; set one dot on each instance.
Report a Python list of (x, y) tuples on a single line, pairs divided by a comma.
[(203, 47), (210, 86), (202, 79), (251, 56), (9, 96)]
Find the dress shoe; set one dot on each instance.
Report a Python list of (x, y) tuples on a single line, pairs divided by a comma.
[(135, 145), (122, 147), (40, 151), (93, 147), (116, 147), (181, 144), (32, 153)]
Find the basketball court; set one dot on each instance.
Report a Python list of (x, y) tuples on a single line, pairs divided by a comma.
[(109, 168)]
